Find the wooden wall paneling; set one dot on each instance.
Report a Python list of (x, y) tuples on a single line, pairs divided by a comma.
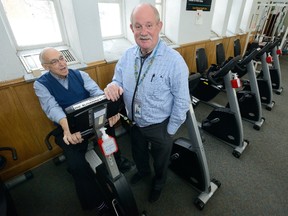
[(92, 73), (188, 54), (105, 74), (243, 39), (197, 46), (216, 42), (15, 127), (210, 48), (226, 42), (15, 131), (230, 47), (211, 51), (24, 127), (37, 120)]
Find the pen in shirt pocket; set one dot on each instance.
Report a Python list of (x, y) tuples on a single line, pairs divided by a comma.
[(152, 77)]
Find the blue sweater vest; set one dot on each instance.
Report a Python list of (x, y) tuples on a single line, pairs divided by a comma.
[(66, 97)]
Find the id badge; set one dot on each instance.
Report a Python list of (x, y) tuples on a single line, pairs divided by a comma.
[(137, 109)]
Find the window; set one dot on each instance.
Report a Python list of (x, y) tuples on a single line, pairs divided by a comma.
[(32, 25), (33, 22), (110, 18), (235, 16), (219, 21), (245, 17), (112, 23)]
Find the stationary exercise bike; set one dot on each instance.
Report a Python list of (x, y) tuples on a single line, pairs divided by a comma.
[(88, 116), (275, 69), (263, 79), (223, 122), (249, 100), (188, 160), (200, 87)]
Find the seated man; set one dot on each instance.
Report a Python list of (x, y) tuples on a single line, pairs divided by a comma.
[(57, 89)]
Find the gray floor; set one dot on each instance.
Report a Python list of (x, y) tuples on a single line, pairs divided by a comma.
[(254, 184)]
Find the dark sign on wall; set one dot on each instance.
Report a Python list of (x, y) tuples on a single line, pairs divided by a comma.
[(194, 5)]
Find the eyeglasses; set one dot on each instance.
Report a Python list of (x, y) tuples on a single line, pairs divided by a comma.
[(148, 26), (56, 61)]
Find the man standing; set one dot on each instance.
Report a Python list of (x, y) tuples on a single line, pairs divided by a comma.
[(153, 79)]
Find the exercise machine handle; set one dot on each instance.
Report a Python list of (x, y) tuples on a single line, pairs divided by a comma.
[(13, 151), (249, 57), (276, 42), (216, 75), (54, 132), (264, 49), (241, 67)]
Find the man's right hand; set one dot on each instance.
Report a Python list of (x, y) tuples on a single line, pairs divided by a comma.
[(73, 139), (69, 138), (113, 92)]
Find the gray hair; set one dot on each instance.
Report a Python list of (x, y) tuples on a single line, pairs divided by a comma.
[(156, 12)]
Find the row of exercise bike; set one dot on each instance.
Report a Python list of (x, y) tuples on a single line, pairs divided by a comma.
[(247, 92)]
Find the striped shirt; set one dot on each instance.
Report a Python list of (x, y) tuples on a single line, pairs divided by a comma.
[(162, 89)]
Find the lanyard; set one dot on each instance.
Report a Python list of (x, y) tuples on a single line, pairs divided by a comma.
[(138, 74)]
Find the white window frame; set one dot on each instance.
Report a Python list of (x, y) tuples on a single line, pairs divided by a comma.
[(122, 19), (163, 36), (29, 55), (61, 26), (115, 46)]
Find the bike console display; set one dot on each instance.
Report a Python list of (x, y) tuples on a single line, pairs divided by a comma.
[(90, 114)]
